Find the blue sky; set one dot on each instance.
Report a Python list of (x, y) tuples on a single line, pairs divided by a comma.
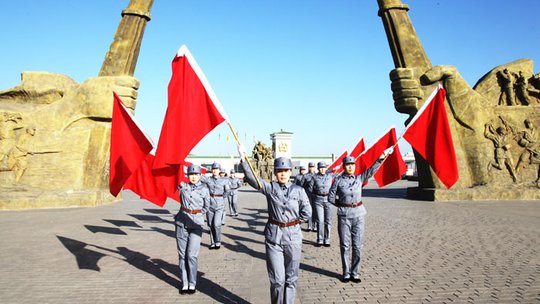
[(316, 68)]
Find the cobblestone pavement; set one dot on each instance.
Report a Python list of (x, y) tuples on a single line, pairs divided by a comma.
[(414, 252)]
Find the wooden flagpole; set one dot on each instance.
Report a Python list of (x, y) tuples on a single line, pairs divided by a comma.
[(245, 155)]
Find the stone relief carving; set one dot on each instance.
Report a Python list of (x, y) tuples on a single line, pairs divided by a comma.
[(483, 139), (263, 160), (54, 135)]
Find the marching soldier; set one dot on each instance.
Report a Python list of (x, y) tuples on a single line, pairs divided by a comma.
[(194, 201), (235, 183), (311, 225), (346, 195), (288, 206), (319, 186), (219, 189), (223, 175), (299, 179)]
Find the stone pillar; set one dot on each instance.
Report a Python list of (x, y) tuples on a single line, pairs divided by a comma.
[(281, 144), (121, 58)]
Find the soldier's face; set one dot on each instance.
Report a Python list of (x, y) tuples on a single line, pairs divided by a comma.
[(215, 172), (322, 170), (349, 168), (283, 175), (194, 178)]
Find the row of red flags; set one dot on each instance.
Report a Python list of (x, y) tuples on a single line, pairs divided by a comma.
[(191, 98)]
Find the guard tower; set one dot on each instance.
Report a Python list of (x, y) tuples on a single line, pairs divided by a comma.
[(282, 144)]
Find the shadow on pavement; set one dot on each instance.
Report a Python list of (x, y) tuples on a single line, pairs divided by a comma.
[(88, 259), (107, 230)]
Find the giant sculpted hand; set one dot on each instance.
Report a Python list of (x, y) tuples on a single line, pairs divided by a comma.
[(464, 102)]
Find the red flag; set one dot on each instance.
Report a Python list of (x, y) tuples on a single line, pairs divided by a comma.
[(145, 184), (429, 134), (193, 111), (358, 149), (129, 146), (393, 167), (336, 165)]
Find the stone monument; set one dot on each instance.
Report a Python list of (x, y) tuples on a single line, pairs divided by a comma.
[(55, 132), (282, 144), (494, 123)]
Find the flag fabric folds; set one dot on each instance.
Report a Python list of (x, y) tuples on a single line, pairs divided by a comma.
[(392, 168), (336, 165), (359, 148), (129, 146), (145, 184), (430, 135), (193, 111)]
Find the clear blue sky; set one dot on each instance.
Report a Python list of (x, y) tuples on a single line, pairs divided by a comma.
[(316, 68)]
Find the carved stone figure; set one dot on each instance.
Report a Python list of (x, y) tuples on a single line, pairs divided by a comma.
[(529, 139), (503, 156), (263, 160), (507, 88), (469, 109), (55, 132), (522, 89)]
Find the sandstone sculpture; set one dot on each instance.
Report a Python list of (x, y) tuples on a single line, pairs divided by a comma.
[(55, 132), (484, 119)]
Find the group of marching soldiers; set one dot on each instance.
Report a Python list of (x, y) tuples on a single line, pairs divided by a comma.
[(309, 199)]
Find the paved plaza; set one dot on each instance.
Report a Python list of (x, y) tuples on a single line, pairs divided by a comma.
[(414, 252)]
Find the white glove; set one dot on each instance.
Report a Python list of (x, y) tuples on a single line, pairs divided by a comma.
[(387, 152), (241, 150)]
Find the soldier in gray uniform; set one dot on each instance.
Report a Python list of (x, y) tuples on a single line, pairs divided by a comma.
[(223, 175), (288, 206), (346, 195), (235, 184), (311, 224), (299, 179), (319, 186), (194, 201), (219, 189)]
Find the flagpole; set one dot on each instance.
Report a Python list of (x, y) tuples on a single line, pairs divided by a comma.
[(245, 155)]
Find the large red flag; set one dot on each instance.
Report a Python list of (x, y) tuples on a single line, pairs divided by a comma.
[(429, 134), (129, 146), (193, 111), (359, 148), (393, 167), (145, 184), (336, 165)]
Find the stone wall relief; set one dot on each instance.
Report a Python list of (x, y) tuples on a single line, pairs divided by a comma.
[(263, 160), (509, 143)]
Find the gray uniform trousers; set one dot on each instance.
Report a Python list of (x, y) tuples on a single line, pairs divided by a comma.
[(188, 241), (319, 186), (189, 224), (288, 206), (324, 211), (214, 219), (311, 223), (233, 202), (219, 189), (283, 264), (351, 235), (346, 193), (233, 196)]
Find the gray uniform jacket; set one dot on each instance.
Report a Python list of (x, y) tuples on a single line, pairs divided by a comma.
[(219, 189), (307, 179), (347, 190), (235, 184), (286, 203), (319, 186), (299, 180), (193, 197)]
